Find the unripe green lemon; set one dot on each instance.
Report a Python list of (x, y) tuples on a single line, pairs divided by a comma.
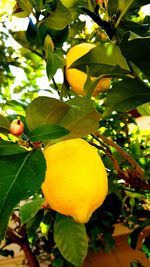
[(76, 181)]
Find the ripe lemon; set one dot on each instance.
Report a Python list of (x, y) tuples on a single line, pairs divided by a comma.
[(76, 180), (76, 78)]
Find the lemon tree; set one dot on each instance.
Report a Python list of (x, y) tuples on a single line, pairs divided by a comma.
[(76, 76)]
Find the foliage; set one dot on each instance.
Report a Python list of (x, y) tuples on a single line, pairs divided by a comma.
[(122, 52)]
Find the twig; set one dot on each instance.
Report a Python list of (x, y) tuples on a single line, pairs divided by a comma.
[(109, 154), (105, 25), (123, 153)]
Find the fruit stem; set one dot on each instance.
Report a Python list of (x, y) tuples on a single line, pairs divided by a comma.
[(18, 120)]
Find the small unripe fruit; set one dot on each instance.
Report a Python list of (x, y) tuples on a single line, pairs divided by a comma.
[(16, 127)]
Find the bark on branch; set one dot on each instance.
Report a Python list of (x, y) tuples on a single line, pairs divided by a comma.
[(123, 153), (23, 243)]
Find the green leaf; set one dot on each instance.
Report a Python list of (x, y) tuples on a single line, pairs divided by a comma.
[(21, 38), (23, 8), (9, 148), (127, 7), (6, 253), (31, 33), (144, 109), (82, 118), (21, 177), (138, 28), (58, 36), (33, 224), (71, 239), (59, 19), (102, 60), (45, 110), (54, 58), (112, 7), (146, 246), (47, 132), (77, 115), (29, 210), (4, 124), (133, 237), (130, 49), (126, 95), (25, 5)]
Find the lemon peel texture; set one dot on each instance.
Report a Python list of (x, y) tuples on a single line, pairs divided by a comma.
[(76, 180), (77, 78)]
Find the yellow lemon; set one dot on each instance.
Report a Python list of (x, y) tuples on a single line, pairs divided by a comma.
[(76, 78), (76, 180)]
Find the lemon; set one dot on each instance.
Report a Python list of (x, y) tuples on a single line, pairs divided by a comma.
[(76, 78), (76, 180), (69, 3)]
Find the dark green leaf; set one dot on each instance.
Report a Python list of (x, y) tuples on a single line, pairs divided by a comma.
[(71, 239), (6, 252), (103, 59), (58, 36), (29, 210), (47, 132), (135, 5), (58, 262), (23, 178), (33, 224), (128, 7), (112, 7), (126, 95), (130, 49), (8, 148), (31, 33), (146, 246), (138, 28), (133, 237)]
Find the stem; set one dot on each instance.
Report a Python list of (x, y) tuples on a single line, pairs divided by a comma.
[(32, 260), (123, 153), (109, 154), (123, 13), (105, 25), (23, 243)]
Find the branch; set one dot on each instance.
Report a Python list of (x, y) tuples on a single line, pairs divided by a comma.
[(23, 243), (109, 154), (123, 153), (106, 26)]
